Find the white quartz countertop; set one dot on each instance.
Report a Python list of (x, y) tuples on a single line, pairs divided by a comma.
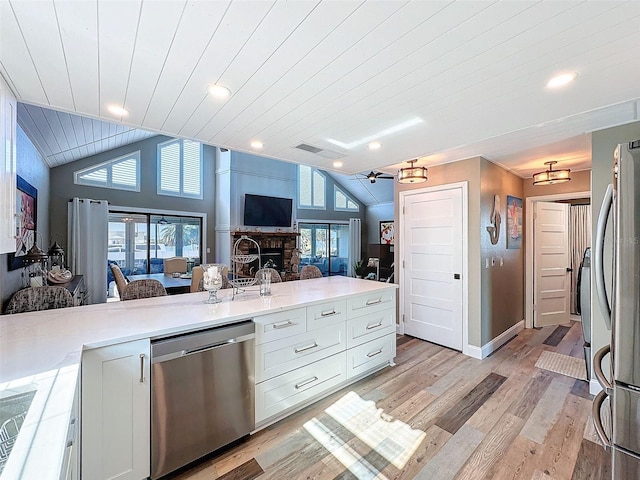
[(32, 343), (49, 343)]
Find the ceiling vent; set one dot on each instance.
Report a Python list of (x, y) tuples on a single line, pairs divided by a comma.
[(308, 148), (323, 152)]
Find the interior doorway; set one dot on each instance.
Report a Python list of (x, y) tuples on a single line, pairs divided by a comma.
[(574, 197)]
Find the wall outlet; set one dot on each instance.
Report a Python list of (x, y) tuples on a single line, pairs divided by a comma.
[(493, 261), (486, 262), (501, 261), (208, 250)]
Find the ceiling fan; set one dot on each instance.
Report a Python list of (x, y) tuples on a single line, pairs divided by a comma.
[(373, 176)]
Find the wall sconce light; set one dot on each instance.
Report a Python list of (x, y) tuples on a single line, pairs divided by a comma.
[(551, 176), (412, 174)]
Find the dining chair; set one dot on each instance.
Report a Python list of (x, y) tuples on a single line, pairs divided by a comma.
[(118, 276), (275, 275), (33, 299), (175, 265), (146, 288), (310, 271)]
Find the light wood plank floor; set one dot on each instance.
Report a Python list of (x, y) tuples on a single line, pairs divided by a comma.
[(436, 415)]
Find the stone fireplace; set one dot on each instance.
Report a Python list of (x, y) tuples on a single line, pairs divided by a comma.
[(275, 246)]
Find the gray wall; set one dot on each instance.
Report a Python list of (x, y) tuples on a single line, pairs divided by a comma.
[(603, 143), (64, 189), (240, 173), (31, 166), (374, 215)]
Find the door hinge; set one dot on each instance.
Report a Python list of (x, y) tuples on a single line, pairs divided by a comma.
[(403, 210), (402, 263), (535, 307), (403, 318)]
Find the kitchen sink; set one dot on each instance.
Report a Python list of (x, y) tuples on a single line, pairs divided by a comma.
[(13, 410)]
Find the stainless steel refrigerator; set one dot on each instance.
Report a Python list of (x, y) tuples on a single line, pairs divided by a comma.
[(621, 307)]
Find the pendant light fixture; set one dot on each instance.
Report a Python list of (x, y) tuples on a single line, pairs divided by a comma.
[(412, 174), (551, 176)]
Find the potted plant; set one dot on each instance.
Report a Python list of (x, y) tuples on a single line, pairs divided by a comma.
[(360, 268)]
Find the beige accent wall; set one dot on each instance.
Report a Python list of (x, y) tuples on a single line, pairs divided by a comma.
[(501, 286), (580, 182), (495, 300)]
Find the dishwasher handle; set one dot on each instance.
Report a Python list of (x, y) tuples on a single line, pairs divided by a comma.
[(206, 348)]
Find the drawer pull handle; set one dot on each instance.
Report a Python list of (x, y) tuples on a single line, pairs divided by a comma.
[(373, 354), (308, 347), (142, 368), (328, 313), (286, 324), (374, 302), (306, 382), (374, 325)]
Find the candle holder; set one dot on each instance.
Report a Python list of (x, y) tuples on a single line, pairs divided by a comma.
[(212, 282)]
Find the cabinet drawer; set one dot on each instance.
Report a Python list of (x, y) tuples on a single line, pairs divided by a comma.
[(370, 355), (365, 328), (281, 356), (283, 392), (328, 313), (363, 304), (280, 325)]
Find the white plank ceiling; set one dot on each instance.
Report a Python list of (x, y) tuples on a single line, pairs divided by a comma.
[(434, 80)]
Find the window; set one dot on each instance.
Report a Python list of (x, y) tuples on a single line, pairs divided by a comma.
[(139, 242), (180, 169), (325, 245), (122, 173), (311, 187), (344, 202)]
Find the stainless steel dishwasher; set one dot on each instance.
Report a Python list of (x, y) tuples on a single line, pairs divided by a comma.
[(202, 394)]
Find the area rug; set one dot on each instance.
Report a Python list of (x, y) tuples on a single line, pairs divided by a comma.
[(562, 364)]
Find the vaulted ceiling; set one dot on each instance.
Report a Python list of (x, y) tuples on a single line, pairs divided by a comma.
[(434, 80)]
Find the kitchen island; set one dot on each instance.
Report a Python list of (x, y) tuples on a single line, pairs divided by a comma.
[(46, 349)]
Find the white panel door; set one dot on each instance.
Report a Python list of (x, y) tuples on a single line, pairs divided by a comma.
[(432, 245), (551, 260)]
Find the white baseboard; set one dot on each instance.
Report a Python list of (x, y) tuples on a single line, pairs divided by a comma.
[(472, 351), (488, 348)]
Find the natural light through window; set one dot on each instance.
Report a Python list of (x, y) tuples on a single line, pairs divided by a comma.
[(311, 188), (342, 201), (122, 173), (393, 440), (180, 169)]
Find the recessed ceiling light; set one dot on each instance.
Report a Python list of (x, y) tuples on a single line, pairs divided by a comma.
[(257, 144), (337, 164), (116, 110), (375, 146), (219, 91), (562, 79)]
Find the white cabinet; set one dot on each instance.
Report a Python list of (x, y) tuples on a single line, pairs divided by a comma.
[(8, 106), (116, 409), (304, 354)]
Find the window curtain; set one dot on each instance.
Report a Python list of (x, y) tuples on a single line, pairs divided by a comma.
[(579, 240), (355, 244), (87, 238)]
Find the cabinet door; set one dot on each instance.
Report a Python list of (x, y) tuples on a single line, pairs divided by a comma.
[(116, 408), (8, 107)]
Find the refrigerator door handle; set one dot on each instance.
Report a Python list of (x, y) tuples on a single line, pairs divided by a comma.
[(597, 368), (598, 256), (597, 419)]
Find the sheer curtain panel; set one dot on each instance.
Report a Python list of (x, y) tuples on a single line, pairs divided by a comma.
[(87, 237), (579, 240), (355, 244)]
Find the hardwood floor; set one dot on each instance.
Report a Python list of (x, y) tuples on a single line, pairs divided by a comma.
[(436, 415)]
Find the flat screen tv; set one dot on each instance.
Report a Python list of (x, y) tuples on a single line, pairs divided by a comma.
[(263, 211)]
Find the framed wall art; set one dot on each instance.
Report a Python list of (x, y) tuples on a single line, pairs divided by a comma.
[(387, 233), (27, 211), (514, 222)]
